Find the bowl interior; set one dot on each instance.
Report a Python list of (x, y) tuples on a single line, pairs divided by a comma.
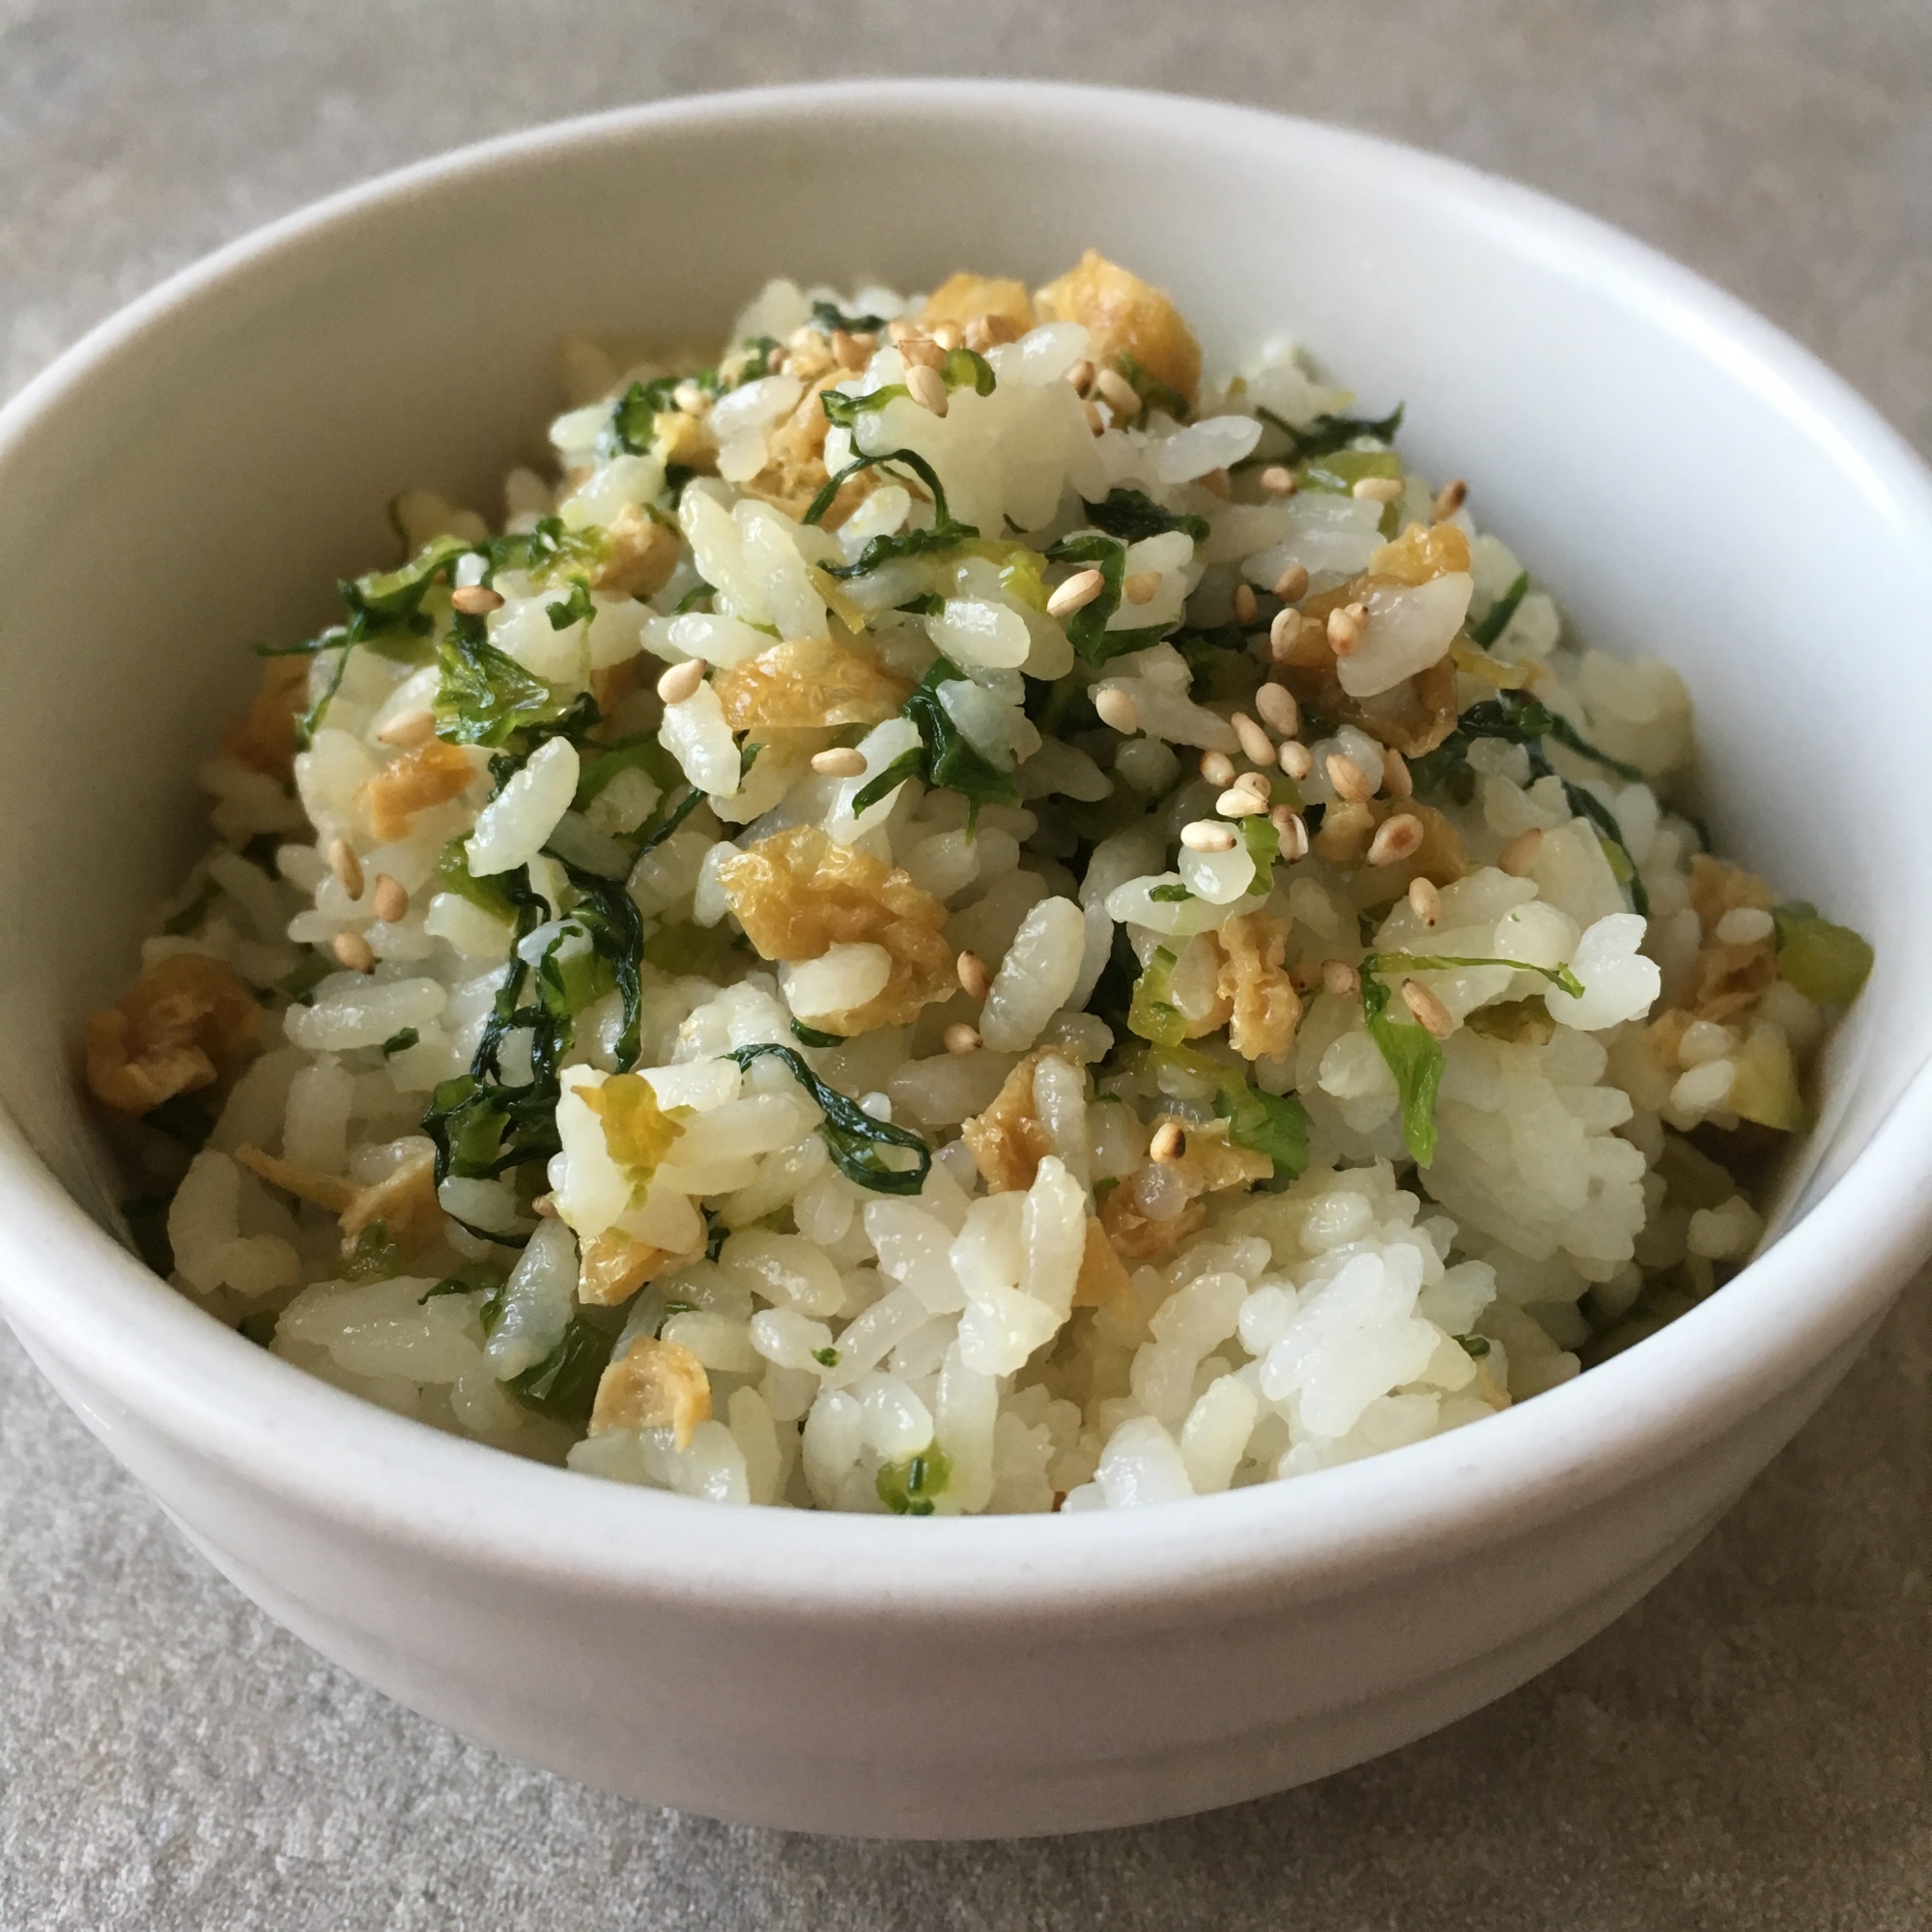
[(1681, 479)]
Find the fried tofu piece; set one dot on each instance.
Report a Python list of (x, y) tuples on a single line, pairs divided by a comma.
[(264, 740), (1265, 1009), (431, 774), (806, 684), (640, 554), (797, 894), (186, 1023), (964, 299), (653, 1384), (615, 1266), (1125, 317), (1211, 1165), (1009, 1140)]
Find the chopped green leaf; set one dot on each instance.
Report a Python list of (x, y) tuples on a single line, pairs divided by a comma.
[(1415, 1056), (942, 755), (564, 1385), (1153, 1015), (1170, 895), (808, 1036), (825, 1358), (1131, 515), (1475, 1346), (1329, 433), (400, 1042), (844, 409), (453, 875), (1087, 629), (908, 1488), (599, 767), (485, 695), (375, 1257), (633, 419), (827, 316), (1154, 394), (967, 368), (852, 1137), (1494, 620), (309, 973), (1263, 843), (576, 609), (942, 534), (1826, 963)]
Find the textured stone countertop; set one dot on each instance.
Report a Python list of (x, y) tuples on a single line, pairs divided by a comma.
[(1748, 1747)]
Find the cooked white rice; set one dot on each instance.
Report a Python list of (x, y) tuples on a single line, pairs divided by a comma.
[(642, 1082)]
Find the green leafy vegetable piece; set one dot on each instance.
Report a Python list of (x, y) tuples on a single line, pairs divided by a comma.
[(645, 755), (844, 409), (1559, 976), (852, 1137), (634, 420), (309, 719), (748, 362), (1415, 1056), (1170, 895), (808, 1036), (908, 1488), (309, 973), (453, 875), (1329, 433), (967, 368), (375, 1257), (1826, 963), (1131, 515), (827, 316), (1475, 1346), (1272, 1123), (1153, 1015), (1087, 629), (564, 1385), (942, 755), (576, 609), (400, 1041), (485, 695), (1154, 394), (1494, 620), (667, 819), (1263, 843), (942, 534), (147, 1219), (825, 1358)]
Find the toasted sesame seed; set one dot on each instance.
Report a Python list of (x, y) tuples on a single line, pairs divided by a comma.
[(1278, 481), (1291, 585), (391, 900), (543, 1208), (1293, 829), (898, 329), (992, 329), (839, 761), (974, 976), (1282, 634), (1077, 593), (947, 335), (847, 350), (959, 1037), (1203, 834), (1253, 781), (1517, 856), (918, 350), (1217, 483), (927, 389), (1239, 802), (1743, 925), (1377, 489), (1351, 783), (1396, 839), (681, 680), (801, 335), (475, 600), (1256, 744), (355, 951), (347, 868), (1396, 780), (408, 727), (1431, 1014), (1217, 768), (1448, 500), (1297, 759), (1168, 1143), (1345, 628), (1096, 423), (1424, 901), (1116, 710), (1339, 977), (691, 399), (1118, 393), (1279, 710), (1246, 610), (1081, 375), (1140, 588)]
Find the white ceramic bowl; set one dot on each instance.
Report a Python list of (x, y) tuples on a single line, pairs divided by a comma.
[(197, 472)]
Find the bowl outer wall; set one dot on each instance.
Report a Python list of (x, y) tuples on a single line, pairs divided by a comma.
[(327, 402)]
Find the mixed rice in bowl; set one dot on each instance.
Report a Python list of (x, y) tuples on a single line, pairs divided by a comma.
[(954, 919)]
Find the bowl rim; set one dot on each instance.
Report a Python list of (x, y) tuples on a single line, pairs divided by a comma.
[(78, 1297)]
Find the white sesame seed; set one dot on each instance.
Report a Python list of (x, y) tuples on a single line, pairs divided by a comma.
[(1217, 768), (1395, 839), (1253, 781), (408, 727), (1077, 593), (1345, 628), (1168, 1143), (1339, 977), (840, 762), (1352, 784), (1238, 802), (1118, 393), (1291, 585), (1256, 744), (1425, 901), (1293, 829), (1203, 834), (1396, 780), (1279, 710), (959, 1037), (681, 680), (918, 350), (1278, 481), (947, 335), (1297, 759), (354, 951), (475, 600), (1116, 710), (1745, 926), (1081, 375), (347, 868), (973, 977), (1283, 632), (1246, 610), (691, 399), (1377, 489), (1140, 588), (1448, 500), (1517, 855), (927, 389), (1431, 1014), (848, 351), (1096, 423), (898, 329), (389, 901)]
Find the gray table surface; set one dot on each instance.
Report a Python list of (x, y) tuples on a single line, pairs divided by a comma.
[(1748, 1747)]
